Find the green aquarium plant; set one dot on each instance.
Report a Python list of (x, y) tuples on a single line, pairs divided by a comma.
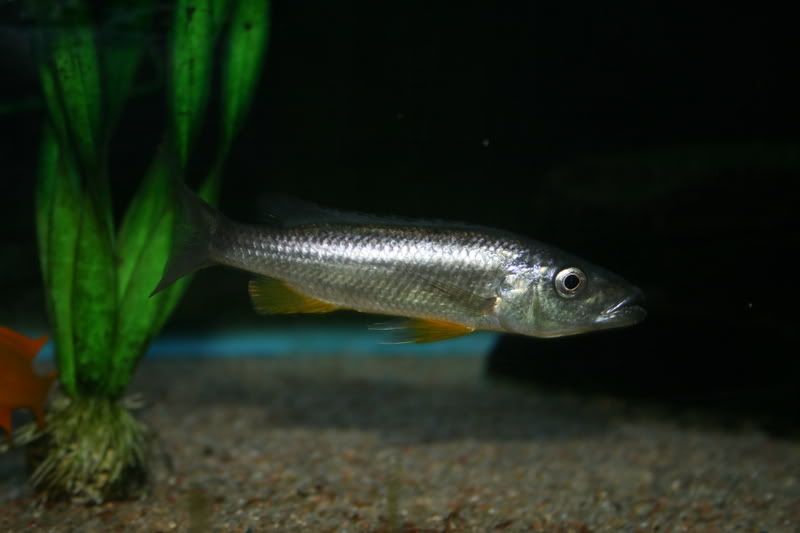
[(99, 274)]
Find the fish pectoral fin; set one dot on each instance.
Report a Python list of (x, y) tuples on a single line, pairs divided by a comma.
[(421, 330), (272, 296), (468, 301)]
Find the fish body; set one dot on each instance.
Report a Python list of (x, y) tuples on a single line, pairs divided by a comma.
[(427, 273), (20, 386), (449, 279)]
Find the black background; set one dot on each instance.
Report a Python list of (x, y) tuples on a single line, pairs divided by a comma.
[(658, 140)]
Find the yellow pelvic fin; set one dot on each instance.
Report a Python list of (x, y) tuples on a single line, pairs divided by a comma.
[(274, 297), (423, 330)]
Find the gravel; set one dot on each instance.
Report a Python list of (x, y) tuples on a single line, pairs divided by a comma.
[(420, 444)]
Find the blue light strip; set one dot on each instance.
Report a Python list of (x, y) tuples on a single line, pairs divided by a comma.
[(305, 342)]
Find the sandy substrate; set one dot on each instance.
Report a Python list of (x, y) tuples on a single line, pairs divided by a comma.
[(360, 444)]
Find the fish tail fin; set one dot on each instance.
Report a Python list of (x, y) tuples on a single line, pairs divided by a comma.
[(195, 226)]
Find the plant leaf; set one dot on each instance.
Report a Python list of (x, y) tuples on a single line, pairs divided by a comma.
[(242, 64), (81, 279), (52, 102), (142, 216), (69, 52), (45, 192), (94, 301), (192, 54), (58, 219), (138, 312), (142, 249), (141, 316), (121, 53)]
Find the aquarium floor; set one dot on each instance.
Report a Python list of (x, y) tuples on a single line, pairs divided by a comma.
[(415, 444)]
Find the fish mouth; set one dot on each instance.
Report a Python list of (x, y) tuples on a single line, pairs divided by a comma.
[(625, 312)]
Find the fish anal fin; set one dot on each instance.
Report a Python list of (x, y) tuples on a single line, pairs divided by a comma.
[(423, 330), (274, 297)]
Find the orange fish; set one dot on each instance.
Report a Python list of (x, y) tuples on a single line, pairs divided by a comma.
[(20, 386)]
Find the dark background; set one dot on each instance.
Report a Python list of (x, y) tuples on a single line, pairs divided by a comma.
[(657, 140)]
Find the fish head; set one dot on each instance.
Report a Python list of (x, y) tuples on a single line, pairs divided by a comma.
[(565, 295)]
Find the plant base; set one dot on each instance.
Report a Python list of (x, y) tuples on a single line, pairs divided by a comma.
[(91, 450)]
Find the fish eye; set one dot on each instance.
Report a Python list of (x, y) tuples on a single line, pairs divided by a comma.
[(570, 281)]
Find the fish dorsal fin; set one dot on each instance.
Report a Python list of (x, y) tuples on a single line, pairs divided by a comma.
[(422, 330), (287, 211), (272, 296), (13, 342)]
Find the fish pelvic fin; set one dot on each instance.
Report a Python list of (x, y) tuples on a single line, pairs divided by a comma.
[(195, 226), (422, 330), (272, 296)]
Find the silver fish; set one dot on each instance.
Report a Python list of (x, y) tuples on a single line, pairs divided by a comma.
[(445, 279)]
